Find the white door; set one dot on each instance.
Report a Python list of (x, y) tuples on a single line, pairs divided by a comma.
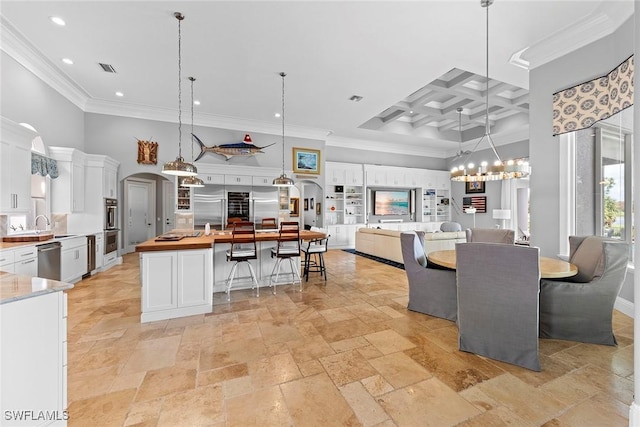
[(168, 206), (139, 212)]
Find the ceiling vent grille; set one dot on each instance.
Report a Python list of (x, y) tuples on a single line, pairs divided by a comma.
[(107, 68)]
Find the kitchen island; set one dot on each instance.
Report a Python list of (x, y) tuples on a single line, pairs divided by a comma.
[(178, 278), (33, 316)]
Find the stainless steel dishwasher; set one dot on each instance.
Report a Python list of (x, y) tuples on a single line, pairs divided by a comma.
[(49, 260)]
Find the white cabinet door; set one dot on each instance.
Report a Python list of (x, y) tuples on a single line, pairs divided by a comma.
[(99, 251), (262, 180), (73, 258), (238, 179), (15, 182), (159, 281), (209, 178), (32, 354), (194, 270), (77, 188), (26, 261), (110, 182), (354, 176)]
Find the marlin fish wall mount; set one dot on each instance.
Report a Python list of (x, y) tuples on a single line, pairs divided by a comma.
[(245, 148)]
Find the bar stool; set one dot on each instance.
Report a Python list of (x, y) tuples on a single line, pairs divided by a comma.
[(315, 248), (243, 249), (269, 223), (288, 247)]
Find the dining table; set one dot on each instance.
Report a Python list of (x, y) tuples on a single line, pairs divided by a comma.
[(550, 268)]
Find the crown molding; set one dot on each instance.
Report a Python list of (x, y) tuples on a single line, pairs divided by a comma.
[(201, 119), (20, 49), (602, 22)]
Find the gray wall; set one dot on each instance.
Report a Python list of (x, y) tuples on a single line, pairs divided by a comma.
[(584, 64), (26, 98)]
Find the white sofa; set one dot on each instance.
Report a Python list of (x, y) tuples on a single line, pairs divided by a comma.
[(386, 243)]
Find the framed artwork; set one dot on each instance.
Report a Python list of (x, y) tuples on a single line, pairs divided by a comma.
[(306, 160), (294, 206), (474, 187), (147, 152), (318, 208), (306, 204), (478, 202)]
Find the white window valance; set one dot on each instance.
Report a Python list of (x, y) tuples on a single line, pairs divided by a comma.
[(581, 106), (44, 166)]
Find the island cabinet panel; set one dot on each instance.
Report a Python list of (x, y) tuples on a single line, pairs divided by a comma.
[(176, 283), (194, 269), (159, 281)]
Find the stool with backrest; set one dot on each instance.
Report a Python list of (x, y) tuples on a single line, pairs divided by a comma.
[(243, 248), (315, 248), (268, 223), (287, 248)]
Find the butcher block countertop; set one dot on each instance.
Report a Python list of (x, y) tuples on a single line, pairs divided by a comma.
[(204, 242)]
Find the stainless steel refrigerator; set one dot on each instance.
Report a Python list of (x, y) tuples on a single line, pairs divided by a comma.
[(209, 206), (264, 203)]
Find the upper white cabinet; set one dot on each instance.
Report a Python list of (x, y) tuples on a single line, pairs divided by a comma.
[(238, 179), (110, 175), (15, 162), (67, 191), (262, 180), (211, 178)]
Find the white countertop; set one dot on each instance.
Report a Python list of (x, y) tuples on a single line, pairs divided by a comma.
[(15, 287)]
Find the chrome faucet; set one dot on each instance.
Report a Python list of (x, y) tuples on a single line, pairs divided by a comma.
[(35, 221)]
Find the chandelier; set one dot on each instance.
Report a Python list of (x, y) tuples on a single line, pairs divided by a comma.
[(191, 181), (283, 180), (518, 168), (178, 166)]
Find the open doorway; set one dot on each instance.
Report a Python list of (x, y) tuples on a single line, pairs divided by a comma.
[(145, 210), (311, 204)]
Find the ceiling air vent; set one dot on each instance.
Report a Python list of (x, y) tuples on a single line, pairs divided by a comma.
[(107, 68)]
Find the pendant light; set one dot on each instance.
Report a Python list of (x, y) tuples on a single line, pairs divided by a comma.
[(179, 167), (500, 169), (191, 181), (283, 180)]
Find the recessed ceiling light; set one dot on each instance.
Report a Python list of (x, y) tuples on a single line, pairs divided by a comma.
[(276, 115), (410, 111), (67, 61), (196, 102), (57, 20), (119, 94)]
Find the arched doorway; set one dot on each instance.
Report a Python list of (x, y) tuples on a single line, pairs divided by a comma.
[(311, 203), (146, 212)]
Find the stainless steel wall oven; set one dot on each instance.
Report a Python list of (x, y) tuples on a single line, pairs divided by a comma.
[(110, 214), (110, 241)]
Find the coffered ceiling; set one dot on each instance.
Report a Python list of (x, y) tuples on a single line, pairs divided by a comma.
[(413, 63)]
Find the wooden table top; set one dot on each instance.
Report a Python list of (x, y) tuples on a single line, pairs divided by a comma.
[(204, 242), (550, 268)]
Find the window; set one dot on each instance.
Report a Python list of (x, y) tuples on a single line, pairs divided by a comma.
[(603, 178)]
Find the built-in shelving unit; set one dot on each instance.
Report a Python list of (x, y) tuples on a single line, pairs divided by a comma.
[(183, 199), (435, 205)]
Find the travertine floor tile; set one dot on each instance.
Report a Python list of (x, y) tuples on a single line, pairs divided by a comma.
[(343, 352), (315, 401), (427, 403)]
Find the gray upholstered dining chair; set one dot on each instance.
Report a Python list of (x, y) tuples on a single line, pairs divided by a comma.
[(432, 291), (580, 308), (490, 235), (498, 288)]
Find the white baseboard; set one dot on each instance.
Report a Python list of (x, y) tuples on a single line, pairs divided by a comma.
[(624, 306)]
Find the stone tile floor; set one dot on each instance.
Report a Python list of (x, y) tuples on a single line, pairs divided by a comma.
[(344, 352)]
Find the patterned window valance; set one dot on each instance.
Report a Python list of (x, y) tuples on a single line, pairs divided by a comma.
[(581, 106), (43, 166)]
